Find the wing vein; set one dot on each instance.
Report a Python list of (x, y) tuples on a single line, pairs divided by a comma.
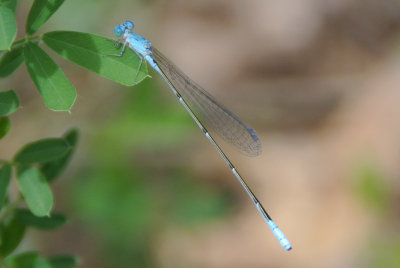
[(224, 122)]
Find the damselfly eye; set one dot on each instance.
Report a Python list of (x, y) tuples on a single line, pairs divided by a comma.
[(118, 30), (129, 24)]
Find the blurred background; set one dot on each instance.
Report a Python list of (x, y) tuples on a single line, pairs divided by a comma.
[(318, 80)]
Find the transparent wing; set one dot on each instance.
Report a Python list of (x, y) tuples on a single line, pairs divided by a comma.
[(230, 127)]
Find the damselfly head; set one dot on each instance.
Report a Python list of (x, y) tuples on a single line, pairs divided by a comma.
[(120, 29)]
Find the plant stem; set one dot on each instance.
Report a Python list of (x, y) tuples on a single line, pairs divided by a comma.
[(21, 41), (26, 39)]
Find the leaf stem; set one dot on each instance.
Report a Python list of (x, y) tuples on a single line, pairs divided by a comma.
[(17, 43)]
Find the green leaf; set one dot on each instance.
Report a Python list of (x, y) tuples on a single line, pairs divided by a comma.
[(11, 4), (9, 102), (22, 260), (32, 259), (42, 263), (53, 168), (63, 261), (4, 126), (57, 92), (5, 176), (8, 27), (26, 217), (71, 136), (12, 232), (93, 52), (35, 190), (40, 12), (10, 61), (42, 151)]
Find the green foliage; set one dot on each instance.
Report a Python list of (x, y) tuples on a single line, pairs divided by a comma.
[(12, 232), (45, 223), (25, 259), (63, 261), (5, 177), (11, 61), (9, 102), (53, 155), (92, 52), (40, 162), (52, 169), (42, 151), (37, 194), (57, 92), (11, 4), (4, 126), (35, 190), (40, 12), (95, 53), (32, 259), (8, 27)]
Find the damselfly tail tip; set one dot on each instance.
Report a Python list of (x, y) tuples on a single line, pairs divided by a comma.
[(286, 244), (279, 235)]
